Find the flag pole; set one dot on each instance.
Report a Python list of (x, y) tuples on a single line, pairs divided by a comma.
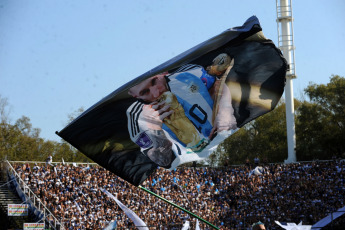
[(179, 207)]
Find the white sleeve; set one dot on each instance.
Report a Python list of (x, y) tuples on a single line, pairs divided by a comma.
[(136, 127), (139, 132), (153, 143)]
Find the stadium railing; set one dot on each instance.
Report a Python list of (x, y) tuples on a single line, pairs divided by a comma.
[(30, 195)]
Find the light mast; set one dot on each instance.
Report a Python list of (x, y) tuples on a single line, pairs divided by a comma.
[(286, 45)]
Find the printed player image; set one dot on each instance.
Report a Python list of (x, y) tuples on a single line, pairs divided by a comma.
[(182, 110)]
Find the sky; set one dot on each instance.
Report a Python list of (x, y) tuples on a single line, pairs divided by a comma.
[(60, 55)]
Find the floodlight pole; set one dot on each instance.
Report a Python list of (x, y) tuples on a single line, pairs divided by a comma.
[(286, 44)]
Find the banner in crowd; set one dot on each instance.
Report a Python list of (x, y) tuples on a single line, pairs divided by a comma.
[(181, 110), (18, 209), (34, 226), (139, 223)]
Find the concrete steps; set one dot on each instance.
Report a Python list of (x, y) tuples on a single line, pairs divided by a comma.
[(7, 196)]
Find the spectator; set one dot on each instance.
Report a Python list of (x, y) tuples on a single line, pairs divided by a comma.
[(256, 161), (225, 197), (258, 226), (247, 163), (49, 160)]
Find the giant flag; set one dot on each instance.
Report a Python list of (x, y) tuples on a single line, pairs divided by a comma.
[(181, 110)]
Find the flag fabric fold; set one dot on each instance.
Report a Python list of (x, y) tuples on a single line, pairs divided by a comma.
[(183, 109)]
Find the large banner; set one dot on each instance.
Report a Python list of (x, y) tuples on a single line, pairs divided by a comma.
[(17, 209), (34, 226), (183, 109)]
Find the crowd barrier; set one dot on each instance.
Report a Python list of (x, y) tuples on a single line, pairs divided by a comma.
[(35, 205)]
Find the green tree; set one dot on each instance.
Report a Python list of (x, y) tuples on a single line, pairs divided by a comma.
[(264, 137), (236, 148), (19, 140), (45, 148), (22, 142), (270, 138), (65, 151), (9, 139), (4, 110), (320, 124)]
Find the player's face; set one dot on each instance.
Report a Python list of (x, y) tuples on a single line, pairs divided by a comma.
[(150, 89)]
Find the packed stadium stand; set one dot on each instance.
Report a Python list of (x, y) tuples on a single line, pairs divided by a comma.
[(229, 197)]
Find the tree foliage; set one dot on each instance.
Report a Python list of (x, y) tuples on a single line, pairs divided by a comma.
[(264, 137), (321, 121), (20, 141)]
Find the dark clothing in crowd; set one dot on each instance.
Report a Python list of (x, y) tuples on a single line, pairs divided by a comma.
[(226, 197)]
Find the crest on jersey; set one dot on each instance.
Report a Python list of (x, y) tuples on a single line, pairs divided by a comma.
[(193, 88), (144, 141)]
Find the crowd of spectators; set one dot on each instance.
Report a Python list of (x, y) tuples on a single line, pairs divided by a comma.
[(228, 197)]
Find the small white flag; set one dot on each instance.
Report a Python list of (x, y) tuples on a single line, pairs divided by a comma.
[(78, 206), (131, 215), (111, 226), (257, 171), (197, 227), (185, 225)]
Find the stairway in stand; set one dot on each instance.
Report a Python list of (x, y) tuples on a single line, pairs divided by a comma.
[(7, 196)]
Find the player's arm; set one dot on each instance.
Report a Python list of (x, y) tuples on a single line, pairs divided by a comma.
[(223, 112), (161, 151), (224, 118), (145, 128)]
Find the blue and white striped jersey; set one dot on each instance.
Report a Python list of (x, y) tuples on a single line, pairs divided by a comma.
[(190, 88)]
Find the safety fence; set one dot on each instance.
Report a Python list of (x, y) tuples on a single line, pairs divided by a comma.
[(28, 197)]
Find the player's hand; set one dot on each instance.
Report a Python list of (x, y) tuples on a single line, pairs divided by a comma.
[(222, 123), (154, 114)]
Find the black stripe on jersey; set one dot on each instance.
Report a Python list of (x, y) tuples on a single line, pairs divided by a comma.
[(185, 68), (137, 119), (178, 149), (131, 117), (134, 114)]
